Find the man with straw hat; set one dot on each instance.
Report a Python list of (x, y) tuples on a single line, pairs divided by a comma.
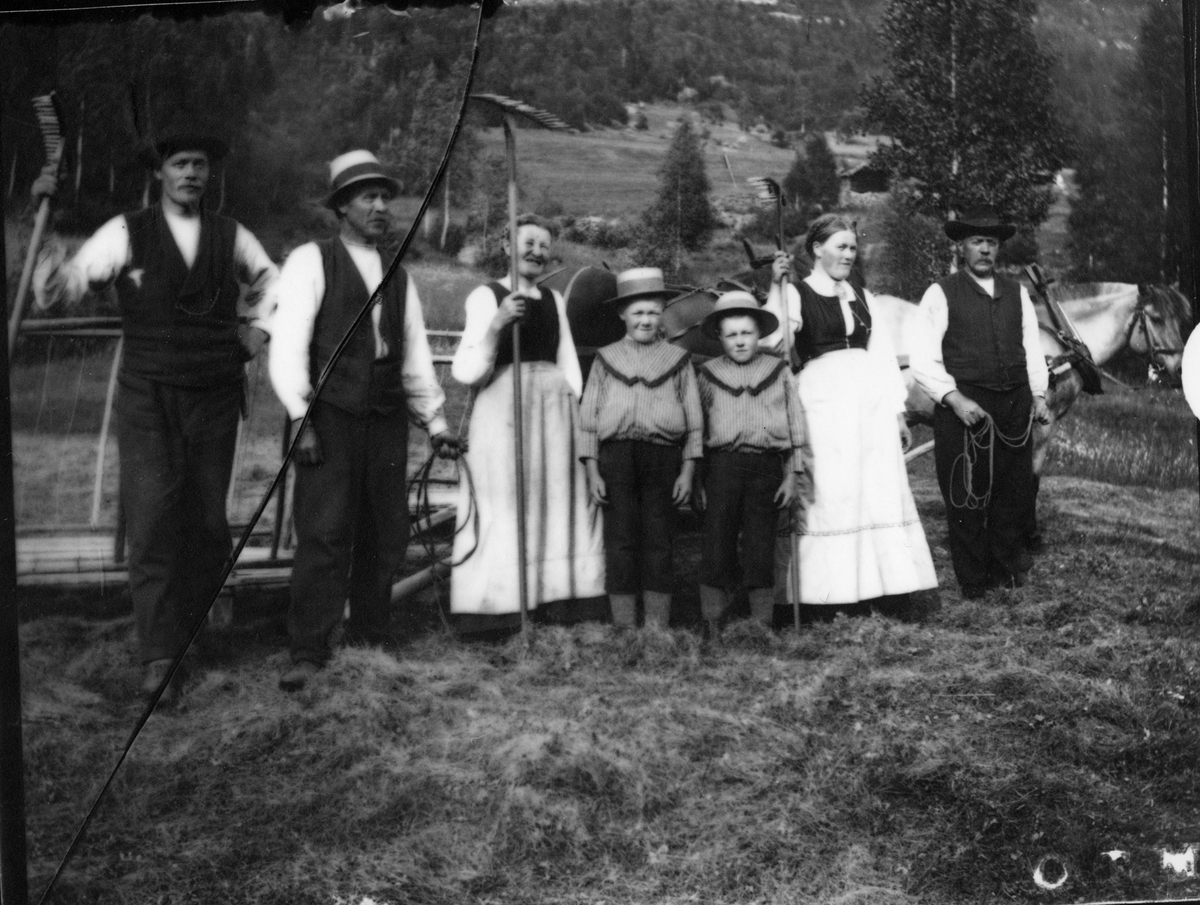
[(642, 436), (980, 359), (752, 441), (350, 501), (178, 271)]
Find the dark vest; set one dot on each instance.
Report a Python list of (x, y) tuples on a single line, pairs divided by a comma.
[(180, 325), (359, 383), (983, 342), (539, 330), (823, 329)]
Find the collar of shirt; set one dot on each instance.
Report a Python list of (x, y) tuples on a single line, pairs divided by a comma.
[(186, 232), (988, 285), (823, 284)]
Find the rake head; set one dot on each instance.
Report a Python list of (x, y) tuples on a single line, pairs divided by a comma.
[(49, 119), (509, 105), (768, 190)]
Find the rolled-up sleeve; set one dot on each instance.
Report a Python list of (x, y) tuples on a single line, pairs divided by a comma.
[(774, 342), (568, 358), (258, 273), (925, 360), (1035, 359), (475, 357), (883, 352), (97, 263), (295, 299), (425, 395)]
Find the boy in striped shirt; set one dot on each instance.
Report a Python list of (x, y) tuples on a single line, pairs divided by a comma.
[(641, 436), (752, 439)]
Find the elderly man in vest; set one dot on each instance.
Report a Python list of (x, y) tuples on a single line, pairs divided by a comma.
[(981, 360), (350, 503), (178, 271)]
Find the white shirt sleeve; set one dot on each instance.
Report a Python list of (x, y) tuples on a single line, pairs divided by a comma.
[(883, 352), (425, 395), (925, 358), (258, 273), (568, 358), (475, 357), (774, 341), (97, 263), (1035, 359), (295, 300)]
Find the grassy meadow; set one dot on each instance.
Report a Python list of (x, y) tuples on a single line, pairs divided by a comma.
[(934, 759)]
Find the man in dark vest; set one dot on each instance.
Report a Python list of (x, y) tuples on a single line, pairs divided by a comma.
[(178, 271), (981, 361), (350, 503)]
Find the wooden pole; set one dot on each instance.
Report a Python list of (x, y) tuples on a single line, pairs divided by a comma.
[(510, 146), (14, 874), (785, 322), (102, 444)]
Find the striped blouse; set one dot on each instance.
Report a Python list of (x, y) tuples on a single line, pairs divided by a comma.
[(751, 407), (642, 391)]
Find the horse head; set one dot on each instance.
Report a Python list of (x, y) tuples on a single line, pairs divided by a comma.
[(1160, 327)]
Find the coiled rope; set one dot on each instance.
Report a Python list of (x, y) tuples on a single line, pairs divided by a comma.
[(977, 440)]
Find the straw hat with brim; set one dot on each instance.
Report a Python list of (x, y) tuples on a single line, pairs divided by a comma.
[(156, 154), (639, 285), (352, 171), (738, 303), (979, 222)]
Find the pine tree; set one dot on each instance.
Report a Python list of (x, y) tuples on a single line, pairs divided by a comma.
[(1130, 221), (967, 106), (812, 183), (681, 218)]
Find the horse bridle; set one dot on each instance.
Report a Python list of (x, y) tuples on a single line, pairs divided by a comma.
[(1154, 353)]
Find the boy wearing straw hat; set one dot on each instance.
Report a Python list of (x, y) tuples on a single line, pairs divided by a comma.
[(642, 432), (752, 440), (350, 502), (179, 272)]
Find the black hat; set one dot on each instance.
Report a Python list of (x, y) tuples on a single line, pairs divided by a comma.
[(156, 154), (980, 221)]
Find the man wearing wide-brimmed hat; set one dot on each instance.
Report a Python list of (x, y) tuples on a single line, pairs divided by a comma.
[(350, 503), (178, 271), (981, 361), (642, 434)]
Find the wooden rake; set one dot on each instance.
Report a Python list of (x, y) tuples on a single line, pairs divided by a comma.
[(770, 192), (510, 108), (45, 107)]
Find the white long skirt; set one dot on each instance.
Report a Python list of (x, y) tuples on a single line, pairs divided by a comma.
[(859, 535), (564, 551)]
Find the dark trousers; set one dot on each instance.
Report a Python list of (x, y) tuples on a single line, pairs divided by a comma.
[(639, 523), (352, 527), (739, 490), (176, 447), (987, 544)]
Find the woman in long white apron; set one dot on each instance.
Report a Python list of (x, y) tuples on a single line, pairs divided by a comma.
[(859, 538), (564, 542)]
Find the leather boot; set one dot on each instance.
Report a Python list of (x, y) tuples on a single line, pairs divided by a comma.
[(713, 603), (762, 605), (624, 610), (658, 608)]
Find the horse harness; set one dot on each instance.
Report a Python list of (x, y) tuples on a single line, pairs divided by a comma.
[(1154, 353), (1077, 356)]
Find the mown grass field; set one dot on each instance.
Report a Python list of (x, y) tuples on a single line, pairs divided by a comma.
[(865, 761), (869, 760)]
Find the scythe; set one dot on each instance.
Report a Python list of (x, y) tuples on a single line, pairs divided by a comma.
[(509, 107)]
